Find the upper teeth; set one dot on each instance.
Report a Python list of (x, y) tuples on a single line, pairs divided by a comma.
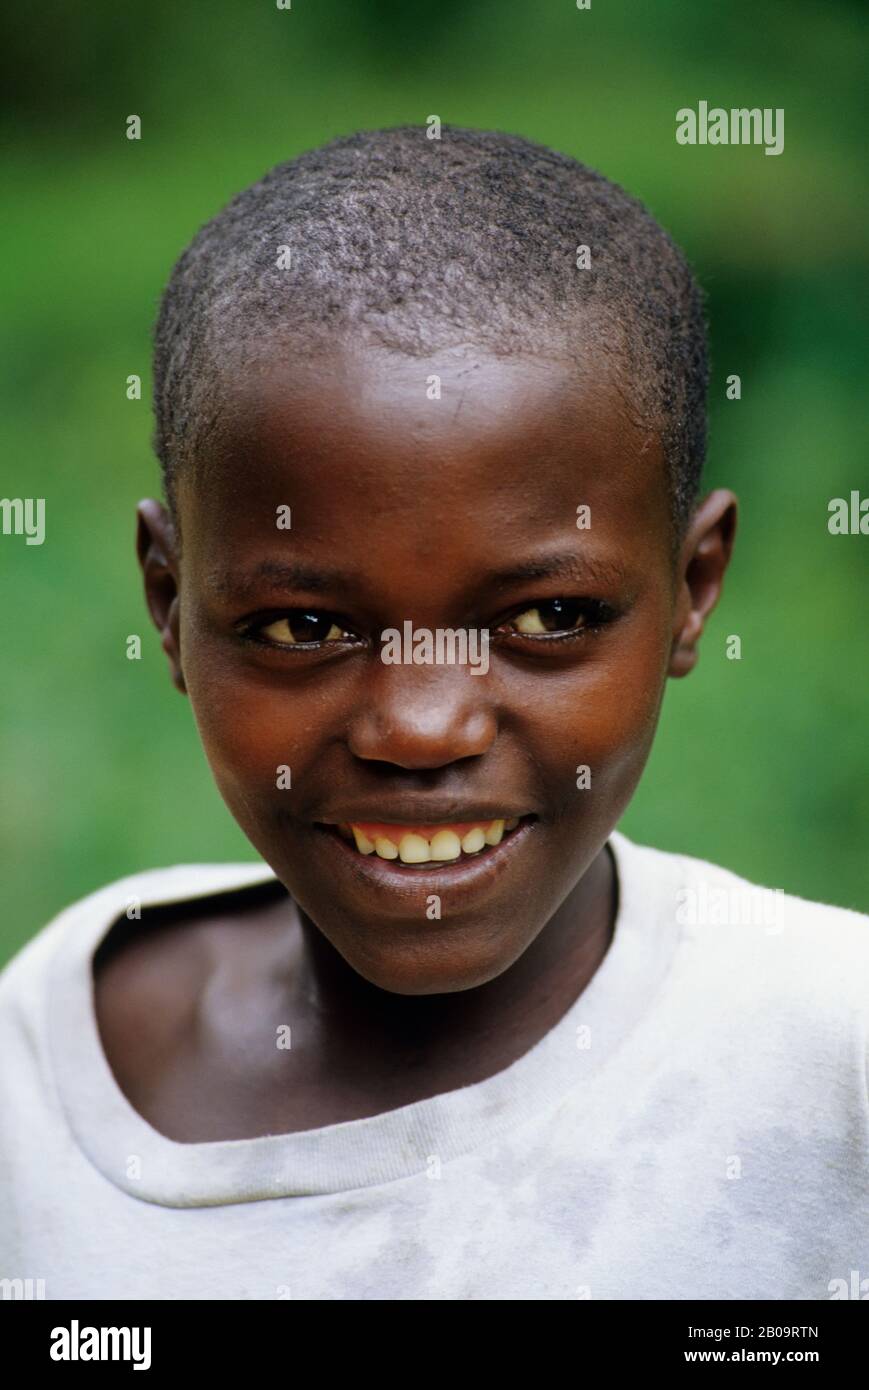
[(413, 848)]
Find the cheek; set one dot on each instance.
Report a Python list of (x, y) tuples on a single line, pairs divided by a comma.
[(251, 730), (602, 719)]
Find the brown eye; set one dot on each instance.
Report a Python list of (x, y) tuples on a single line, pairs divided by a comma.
[(555, 615), (301, 626)]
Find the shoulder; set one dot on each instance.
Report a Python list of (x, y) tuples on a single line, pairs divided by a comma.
[(82, 925), (781, 952)]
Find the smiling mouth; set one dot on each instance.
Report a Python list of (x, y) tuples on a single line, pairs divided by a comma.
[(428, 846)]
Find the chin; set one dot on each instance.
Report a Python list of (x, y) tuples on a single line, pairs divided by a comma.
[(409, 973)]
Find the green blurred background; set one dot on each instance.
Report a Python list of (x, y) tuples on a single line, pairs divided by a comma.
[(761, 764)]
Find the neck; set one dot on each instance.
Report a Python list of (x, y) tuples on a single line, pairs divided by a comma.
[(479, 1030)]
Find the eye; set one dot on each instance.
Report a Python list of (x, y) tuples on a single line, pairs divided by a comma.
[(301, 627), (556, 615)]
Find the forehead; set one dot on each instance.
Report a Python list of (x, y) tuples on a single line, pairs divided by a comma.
[(444, 458)]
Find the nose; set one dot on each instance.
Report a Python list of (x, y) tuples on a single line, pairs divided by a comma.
[(423, 716)]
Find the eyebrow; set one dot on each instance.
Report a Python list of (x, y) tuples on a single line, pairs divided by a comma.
[(571, 564), (282, 574)]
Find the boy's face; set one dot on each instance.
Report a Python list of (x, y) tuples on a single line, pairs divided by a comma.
[(452, 513)]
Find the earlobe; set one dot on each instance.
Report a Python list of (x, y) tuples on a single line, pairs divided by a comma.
[(684, 654), (703, 561), (157, 553)]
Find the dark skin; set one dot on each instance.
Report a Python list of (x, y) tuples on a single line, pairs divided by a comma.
[(437, 512)]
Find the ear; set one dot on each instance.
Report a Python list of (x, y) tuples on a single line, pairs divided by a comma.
[(703, 559), (156, 547)]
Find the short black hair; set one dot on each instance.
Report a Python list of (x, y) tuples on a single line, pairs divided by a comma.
[(416, 242)]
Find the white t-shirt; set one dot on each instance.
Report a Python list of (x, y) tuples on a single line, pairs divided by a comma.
[(695, 1126)]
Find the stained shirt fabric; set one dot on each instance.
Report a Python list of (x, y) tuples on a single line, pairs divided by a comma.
[(696, 1125)]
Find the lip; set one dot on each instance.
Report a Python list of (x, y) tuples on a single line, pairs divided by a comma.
[(425, 813), (475, 873)]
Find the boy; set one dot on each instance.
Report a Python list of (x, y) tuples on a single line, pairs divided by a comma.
[(456, 1038)]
